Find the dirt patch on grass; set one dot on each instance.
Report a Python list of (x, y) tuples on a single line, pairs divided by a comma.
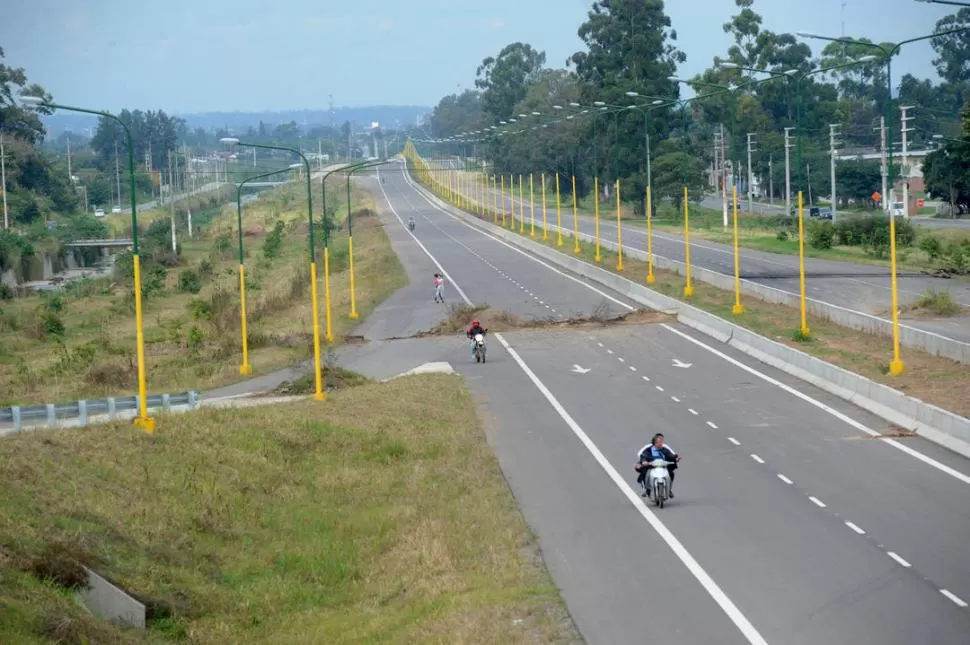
[(353, 513), (499, 320)]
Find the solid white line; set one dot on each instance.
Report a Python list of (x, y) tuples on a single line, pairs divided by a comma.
[(785, 479), (955, 598), (898, 559), (692, 411), (675, 399), (817, 502), (826, 408), (734, 441), (712, 425), (757, 458), (855, 528), (712, 588)]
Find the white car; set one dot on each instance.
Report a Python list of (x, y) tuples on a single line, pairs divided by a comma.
[(99, 212), (116, 209)]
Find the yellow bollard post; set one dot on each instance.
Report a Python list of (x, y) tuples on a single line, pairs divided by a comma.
[(688, 286), (143, 421), (576, 248), (494, 202), (326, 292), (545, 234), (521, 207), (532, 208), (738, 308), (350, 267), (558, 213), (596, 211), (804, 331), (651, 278), (512, 202), (619, 231), (896, 367), (503, 200), (245, 368), (319, 394)]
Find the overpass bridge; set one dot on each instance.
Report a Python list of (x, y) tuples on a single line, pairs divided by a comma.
[(107, 243)]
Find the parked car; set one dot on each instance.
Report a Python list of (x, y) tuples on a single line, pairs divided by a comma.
[(99, 212), (116, 209)]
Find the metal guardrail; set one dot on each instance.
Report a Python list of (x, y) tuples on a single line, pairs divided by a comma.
[(79, 413)]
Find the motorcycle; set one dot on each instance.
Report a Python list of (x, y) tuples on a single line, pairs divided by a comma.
[(479, 348), (658, 481), (411, 225)]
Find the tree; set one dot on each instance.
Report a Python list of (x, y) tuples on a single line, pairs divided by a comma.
[(503, 79), (628, 49), (16, 121), (456, 113), (857, 180), (947, 171), (953, 51)]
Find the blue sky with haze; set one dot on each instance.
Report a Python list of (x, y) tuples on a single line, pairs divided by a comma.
[(206, 55)]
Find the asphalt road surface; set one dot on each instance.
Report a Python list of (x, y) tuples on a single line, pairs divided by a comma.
[(859, 287), (791, 523)]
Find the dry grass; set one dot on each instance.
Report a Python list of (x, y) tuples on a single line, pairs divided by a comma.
[(939, 381), (499, 320), (379, 516), (278, 301)]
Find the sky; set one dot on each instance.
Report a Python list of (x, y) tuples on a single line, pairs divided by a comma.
[(187, 56)]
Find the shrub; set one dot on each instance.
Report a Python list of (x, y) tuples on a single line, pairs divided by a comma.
[(190, 281), (196, 338), (51, 325), (274, 241), (54, 304), (820, 235), (206, 268), (6, 293), (940, 303), (931, 246), (200, 309), (109, 375), (782, 236), (153, 281)]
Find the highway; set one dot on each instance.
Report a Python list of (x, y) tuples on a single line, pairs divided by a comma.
[(859, 287), (791, 523)]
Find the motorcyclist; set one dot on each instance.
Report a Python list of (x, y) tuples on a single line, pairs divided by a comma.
[(411, 223), (656, 449), (475, 328)]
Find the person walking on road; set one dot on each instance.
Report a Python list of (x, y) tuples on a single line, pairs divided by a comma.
[(439, 284)]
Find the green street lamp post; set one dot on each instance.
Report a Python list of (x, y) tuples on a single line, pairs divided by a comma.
[(350, 234), (319, 395), (245, 367), (896, 366), (143, 421)]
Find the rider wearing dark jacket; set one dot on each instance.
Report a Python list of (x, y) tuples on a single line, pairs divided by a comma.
[(656, 450), (475, 328)]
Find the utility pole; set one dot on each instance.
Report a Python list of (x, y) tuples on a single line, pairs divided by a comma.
[(70, 175), (171, 202), (724, 202), (3, 182), (751, 141), (885, 167), (771, 180), (788, 170), (833, 143), (903, 109)]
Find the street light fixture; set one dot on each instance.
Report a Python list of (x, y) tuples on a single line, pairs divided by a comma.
[(320, 395), (143, 421)]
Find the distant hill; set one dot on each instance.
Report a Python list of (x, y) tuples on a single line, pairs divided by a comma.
[(389, 116)]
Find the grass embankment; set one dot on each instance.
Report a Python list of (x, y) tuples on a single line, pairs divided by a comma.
[(936, 380), (80, 343), (380, 516)]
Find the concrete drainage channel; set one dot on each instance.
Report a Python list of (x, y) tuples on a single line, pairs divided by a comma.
[(940, 426)]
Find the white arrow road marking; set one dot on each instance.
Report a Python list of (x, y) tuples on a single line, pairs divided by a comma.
[(679, 363), (578, 369)]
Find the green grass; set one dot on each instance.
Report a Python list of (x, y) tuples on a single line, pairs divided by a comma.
[(940, 303), (95, 355), (379, 516)]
